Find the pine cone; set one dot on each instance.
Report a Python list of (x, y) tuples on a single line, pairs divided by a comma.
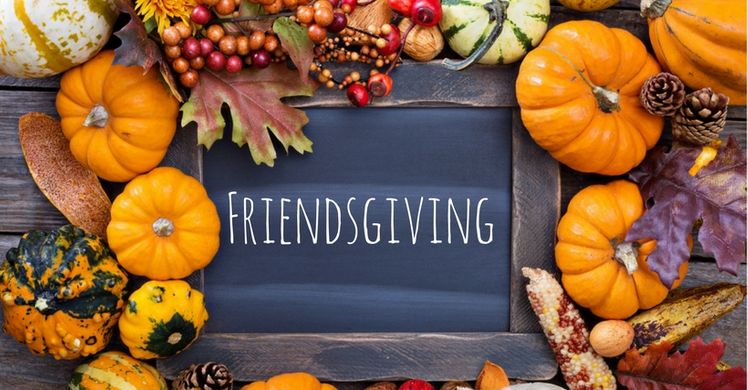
[(207, 376), (663, 94), (701, 118)]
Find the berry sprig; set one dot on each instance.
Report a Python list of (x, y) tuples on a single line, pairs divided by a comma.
[(208, 43)]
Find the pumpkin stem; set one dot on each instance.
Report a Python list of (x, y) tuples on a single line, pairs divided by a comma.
[(98, 117), (174, 338), (626, 254), (497, 13), (163, 227), (607, 100), (653, 9)]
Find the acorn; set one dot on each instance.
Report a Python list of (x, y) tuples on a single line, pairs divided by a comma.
[(611, 338), (422, 43)]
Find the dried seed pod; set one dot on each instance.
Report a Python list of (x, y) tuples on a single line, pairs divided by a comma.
[(423, 43)]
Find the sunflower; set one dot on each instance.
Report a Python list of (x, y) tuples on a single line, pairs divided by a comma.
[(164, 10)]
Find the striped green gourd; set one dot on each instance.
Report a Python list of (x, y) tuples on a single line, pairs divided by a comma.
[(116, 371), (467, 25)]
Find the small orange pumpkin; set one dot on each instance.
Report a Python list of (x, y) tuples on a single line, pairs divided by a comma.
[(290, 381), (601, 271), (119, 121), (579, 97), (702, 42), (163, 225)]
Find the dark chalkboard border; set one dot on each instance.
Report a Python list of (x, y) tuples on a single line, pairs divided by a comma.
[(523, 351)]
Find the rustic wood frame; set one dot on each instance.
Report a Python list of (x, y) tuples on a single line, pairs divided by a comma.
[(346, 357)]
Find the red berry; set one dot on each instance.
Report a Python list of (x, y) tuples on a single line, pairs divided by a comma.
[(401, 6), (234, 64), (216, 61), (261, 59), (339, 22), (201, 15), (380, 84), (206, 46), (348, 5), (393, 41), (358, 95), (426, 13), (416, 384), (190, 48)]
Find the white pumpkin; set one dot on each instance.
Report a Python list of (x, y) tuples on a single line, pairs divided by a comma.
[(466, 24), (40, 38)]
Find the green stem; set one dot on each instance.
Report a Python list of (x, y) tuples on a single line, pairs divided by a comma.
[(497, 11)]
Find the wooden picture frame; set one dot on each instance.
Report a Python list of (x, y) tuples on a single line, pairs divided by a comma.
[(347, 357)]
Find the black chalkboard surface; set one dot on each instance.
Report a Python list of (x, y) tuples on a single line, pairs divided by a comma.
[(445, 269)]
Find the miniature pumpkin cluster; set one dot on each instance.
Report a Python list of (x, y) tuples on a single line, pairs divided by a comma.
[(63, 292), (592, 96)]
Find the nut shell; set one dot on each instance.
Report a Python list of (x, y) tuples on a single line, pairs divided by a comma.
[(423, 43), (611, 338)]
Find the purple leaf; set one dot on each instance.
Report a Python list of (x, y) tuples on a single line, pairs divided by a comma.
[(677, 201)]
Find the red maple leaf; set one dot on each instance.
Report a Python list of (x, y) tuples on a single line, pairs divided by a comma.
[(695, 369), (256, 110)]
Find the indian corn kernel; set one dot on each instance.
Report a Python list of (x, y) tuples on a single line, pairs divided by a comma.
[(582, 368)]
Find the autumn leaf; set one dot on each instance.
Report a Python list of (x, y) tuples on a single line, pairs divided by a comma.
[(694, 369), (676, 201), (253, 96), (138, 49), (296, 42)]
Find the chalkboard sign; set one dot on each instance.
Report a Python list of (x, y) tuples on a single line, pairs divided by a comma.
[(398, 222), (394, 250)]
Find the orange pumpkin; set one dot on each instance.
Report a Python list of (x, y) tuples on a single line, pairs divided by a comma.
[(579, 97), (702, 42), (290, 381), (601, 271), (163, 225), (119, 121)]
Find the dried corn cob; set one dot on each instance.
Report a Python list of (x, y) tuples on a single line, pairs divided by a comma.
[(564, 328)]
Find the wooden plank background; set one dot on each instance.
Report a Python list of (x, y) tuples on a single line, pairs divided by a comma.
[(23, 207)]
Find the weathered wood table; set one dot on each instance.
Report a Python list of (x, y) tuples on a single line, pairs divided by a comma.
[(23, 207)]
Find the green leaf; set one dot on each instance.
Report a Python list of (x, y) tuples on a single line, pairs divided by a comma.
[(297, 43), (254, 99)]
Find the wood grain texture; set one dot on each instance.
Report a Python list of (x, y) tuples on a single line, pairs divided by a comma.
[(370, 356), (533, 227), (51, 83), (7, 241), (22, 206)]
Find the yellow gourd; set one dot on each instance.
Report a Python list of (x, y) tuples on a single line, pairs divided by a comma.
[(162, 319)]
